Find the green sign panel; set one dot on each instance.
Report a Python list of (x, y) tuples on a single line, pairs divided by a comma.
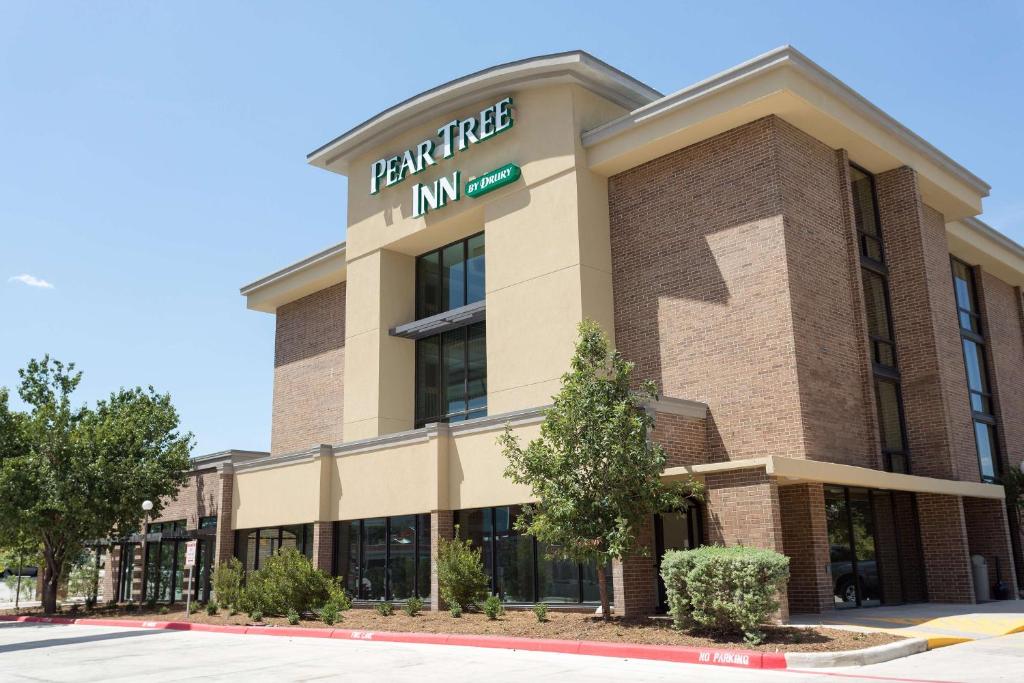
[(499, 177)]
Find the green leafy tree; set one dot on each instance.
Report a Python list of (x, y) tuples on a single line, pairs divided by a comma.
[(71, 474), (594, 472)]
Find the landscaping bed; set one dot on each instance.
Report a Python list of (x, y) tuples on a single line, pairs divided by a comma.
[(523, 624)]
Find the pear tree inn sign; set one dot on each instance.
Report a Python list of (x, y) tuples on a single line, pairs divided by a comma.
[(455, 136)]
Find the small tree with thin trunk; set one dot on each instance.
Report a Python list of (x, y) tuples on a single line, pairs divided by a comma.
[(70, 475), (594, 472)]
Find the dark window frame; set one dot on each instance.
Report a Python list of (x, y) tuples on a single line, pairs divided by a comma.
[(419, 591), (444, 416), (881, 371), (439, 252), (977, 336), (304, 544)]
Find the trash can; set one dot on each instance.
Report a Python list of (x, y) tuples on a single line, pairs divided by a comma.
[(979, 567)]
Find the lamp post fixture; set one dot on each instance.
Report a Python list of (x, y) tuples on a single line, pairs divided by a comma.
[(147, 505)]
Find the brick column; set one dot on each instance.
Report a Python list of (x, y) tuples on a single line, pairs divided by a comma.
[(988, 534), (635, 578), (927, 334), (442, 525), (224, 548), (944, 546), (323, 546), (742, 508), (805, 540)]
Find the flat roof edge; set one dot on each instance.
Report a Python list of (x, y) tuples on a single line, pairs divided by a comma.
[(302, 264)]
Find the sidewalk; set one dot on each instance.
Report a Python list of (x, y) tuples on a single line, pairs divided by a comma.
[(940, 624)]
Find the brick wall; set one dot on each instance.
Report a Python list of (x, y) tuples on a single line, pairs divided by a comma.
[(699, 279), (683, 438), (323, 546), (827, 312), (910, 554), (199, 497), (635, 578), (442, 525), (887, 549), (805, 541), (927, 334), (309, 372), (989, 536), (944, 546)]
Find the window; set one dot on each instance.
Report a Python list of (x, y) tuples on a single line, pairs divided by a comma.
[(878, 313), (451, 375), (385, 558), (450, 277), (164, 565), (976, 369), (208, 522), (254, 546), (518, 565)]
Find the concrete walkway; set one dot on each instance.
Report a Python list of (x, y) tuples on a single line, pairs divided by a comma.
[(940, 624)]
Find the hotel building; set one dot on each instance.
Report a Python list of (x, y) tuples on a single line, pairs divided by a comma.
[(837, 340)]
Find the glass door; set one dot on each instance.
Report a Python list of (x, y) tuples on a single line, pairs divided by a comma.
[(678, 530), (852, 547)]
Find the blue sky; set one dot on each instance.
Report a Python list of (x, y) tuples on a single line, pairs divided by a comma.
[(154, 153)]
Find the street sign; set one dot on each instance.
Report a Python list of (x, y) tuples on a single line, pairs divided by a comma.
[(190, 553)]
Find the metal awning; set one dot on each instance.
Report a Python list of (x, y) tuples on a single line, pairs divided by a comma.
[(442, 322)]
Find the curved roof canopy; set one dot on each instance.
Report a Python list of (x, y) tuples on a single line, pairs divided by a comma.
[(577, 67)]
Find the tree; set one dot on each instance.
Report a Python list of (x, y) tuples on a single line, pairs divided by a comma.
[(69, 475), (594, 472)]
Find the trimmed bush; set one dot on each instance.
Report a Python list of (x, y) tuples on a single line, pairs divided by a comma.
[(338, 598), (329, 614), (286, 581), (256, 615), (455, 611), (193, 608), (540, 610), (461, 577), (227, 581), (385, 609), (412, 606), (293, 618), (492, 607), (165, 610), (211, 608), (724, 590)]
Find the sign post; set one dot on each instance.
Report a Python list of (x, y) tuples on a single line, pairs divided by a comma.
[(190, 564)]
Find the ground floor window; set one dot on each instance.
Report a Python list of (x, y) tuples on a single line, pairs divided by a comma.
[(164, 566), (519, 566), (682, 529), (126, 573), (384, 558), (254, 546)]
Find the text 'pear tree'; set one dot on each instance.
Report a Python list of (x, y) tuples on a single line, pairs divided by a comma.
[(594, 471)]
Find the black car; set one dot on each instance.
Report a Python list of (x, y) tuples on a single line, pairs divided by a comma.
[(25, 571), (842, 574)]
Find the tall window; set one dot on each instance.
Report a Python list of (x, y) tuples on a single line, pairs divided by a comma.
[(976, 368), (385, 558), (451, 367), (254, 546), (164, 566), (519, 569), (875, 276)]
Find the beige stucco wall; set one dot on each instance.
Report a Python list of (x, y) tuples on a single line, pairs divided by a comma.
[(540, 281), (432, 469)]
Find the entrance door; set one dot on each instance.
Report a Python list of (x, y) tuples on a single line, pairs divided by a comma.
[(852, 548), (674, 531)]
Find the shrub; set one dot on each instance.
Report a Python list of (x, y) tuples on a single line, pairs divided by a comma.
[(385, 609), (339, 598), (293, 618), (211, 608), (460, 573), (227, 581), (413, 606), (232, 611), (286, 581), (164, 610), (256, 615), (724, 590), (455, 611), (492, 607), (193, 608), (329, 614), (540, 610)]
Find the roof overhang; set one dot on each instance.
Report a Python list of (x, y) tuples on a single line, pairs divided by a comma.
[(798, 470), (980, 245), (786, 83), (576, 67), (311, 274)]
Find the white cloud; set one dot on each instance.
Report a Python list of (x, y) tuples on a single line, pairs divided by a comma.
[(31, 281)]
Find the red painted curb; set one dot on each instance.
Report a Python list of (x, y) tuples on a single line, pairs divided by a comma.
[(747, 659)]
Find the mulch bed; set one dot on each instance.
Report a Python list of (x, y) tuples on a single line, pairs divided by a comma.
[(523, 624)]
